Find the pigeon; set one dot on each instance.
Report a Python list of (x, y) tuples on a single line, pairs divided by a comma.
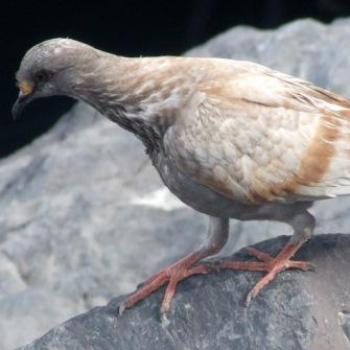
[(231, 139)]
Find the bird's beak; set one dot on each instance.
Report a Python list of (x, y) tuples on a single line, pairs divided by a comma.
[(24, 97)]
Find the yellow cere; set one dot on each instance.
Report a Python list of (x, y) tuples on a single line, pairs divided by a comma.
[(26, 87)]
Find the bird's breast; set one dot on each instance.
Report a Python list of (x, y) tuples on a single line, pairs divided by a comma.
[(195, 195)]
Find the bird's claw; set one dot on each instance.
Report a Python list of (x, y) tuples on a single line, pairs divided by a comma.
[(121, 308)]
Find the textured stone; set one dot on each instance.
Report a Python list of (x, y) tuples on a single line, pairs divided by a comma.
[(84, 216), (299, 311)]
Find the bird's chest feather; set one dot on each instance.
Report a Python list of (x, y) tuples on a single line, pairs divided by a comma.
[(204, 199), (149, 135), (189, 191), (200, 149), (195, 195)]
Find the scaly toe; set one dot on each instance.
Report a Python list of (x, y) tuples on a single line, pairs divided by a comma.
[(259, 254), (275, 267), (121, 308), (300, 265)]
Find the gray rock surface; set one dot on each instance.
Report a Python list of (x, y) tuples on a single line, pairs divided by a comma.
[(299, 311), (84, 216)]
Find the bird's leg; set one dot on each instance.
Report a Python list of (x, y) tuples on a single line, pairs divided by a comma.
[(218, 233), (303, 224)]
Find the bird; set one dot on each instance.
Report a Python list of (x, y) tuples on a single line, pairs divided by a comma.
[(231, 139)]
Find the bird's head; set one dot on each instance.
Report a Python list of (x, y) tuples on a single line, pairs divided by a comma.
[(45, 70)]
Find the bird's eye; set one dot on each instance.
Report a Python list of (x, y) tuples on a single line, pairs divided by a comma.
[(42, 76)]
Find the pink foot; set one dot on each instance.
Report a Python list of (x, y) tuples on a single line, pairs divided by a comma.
[(272, 265), (172, 275)]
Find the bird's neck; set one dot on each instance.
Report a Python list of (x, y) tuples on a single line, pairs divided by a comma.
[(142, 95)]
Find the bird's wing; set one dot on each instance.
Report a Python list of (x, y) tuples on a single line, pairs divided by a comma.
[(266, 136)]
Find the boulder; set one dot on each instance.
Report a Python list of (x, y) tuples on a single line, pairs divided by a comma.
[(298, 311)]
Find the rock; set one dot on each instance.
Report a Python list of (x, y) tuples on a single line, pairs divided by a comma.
[(299, 311), (84, 216)]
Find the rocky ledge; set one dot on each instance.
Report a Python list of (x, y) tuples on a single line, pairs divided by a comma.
[(298, 311)]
